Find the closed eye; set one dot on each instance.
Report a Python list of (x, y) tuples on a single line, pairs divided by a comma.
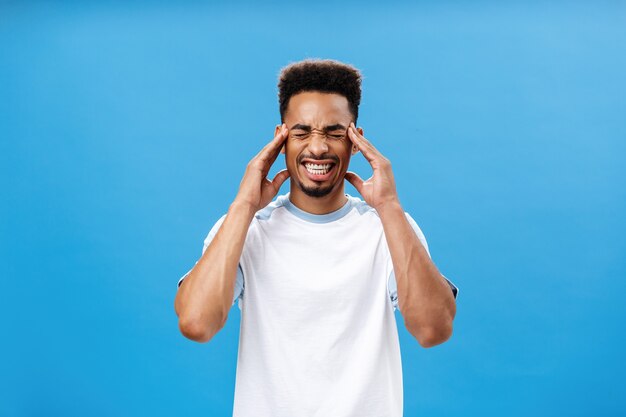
[(304, 135)]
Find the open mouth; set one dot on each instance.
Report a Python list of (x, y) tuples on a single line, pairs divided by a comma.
[(318, 172)]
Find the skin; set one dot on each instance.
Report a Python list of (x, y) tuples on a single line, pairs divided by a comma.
[(424, 297), (204, 297), (317, 111)]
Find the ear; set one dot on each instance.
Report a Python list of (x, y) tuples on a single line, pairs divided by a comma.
[(282, 149)]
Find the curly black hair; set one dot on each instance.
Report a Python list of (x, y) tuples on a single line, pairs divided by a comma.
[(323, 75)]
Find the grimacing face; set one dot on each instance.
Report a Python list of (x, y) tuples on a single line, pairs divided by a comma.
[(318, 132)]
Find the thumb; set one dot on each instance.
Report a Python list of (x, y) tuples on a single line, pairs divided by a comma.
[(355, 180), (280, 178)]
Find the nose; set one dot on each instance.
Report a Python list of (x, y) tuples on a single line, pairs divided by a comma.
[(317, 144)]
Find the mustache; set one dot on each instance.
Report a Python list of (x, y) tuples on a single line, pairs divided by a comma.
[(321, 158)]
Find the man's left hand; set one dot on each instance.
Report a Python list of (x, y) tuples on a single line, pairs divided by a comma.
[(380, 189)]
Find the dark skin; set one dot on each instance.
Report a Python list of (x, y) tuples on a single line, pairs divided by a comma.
[(318, 130), (320, 127)]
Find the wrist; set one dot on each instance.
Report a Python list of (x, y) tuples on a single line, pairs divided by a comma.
[(242, 208), (390, 207)]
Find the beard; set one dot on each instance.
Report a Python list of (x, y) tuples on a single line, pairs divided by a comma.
[(315, 191), (318, 190)]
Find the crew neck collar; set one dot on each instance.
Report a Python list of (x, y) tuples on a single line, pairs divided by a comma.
[(318, 218)]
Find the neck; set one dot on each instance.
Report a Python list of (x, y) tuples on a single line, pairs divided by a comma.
[(317, 205)]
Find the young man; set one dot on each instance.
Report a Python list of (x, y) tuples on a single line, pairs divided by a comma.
[(318, 273)]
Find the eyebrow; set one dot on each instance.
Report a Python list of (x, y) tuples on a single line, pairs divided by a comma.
[(329, 128)]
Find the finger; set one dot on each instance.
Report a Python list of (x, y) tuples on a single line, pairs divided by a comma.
[(270, 152), (279, 179), (355, 180), (366, 151), (276, 142), (360, 136), (363, 140)]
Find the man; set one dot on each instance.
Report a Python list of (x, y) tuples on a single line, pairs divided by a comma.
[(318, 273)]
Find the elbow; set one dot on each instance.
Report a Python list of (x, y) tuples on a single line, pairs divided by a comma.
[(200, 331), (429, 336)]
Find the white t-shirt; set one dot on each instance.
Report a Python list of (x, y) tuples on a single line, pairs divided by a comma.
[(318, 334)]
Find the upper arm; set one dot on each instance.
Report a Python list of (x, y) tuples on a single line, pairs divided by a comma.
[(239, 284), (239, 281), (392, 287)]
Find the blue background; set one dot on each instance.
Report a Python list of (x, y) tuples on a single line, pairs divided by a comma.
[(125, 131)]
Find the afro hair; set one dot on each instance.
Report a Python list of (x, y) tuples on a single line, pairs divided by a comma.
[(323, 75)]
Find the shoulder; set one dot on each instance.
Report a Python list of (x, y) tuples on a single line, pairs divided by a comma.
[(266, 212), (418, 231), (216, 226), (364, 208), (261, 215)]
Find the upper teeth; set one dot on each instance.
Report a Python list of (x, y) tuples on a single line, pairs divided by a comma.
[(317, 169)]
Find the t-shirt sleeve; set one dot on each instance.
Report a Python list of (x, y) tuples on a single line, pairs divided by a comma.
[(239, 282), (391, 283)]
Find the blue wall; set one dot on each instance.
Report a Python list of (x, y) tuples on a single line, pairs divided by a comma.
[(125, 130)]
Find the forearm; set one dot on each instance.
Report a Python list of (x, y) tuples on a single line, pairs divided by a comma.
[(424, 297), (205, 296)]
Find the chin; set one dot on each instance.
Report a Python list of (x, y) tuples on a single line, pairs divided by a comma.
[(315, 191)]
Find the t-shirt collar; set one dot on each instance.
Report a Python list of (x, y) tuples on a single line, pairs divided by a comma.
[(318, 218)]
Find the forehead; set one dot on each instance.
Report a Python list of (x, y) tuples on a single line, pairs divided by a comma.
[(317, 109)]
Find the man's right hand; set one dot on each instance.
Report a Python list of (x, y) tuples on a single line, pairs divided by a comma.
[(255, 190)]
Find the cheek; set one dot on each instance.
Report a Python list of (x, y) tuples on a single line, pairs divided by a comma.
[(291, 154), (344, 150), (346, 144)]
